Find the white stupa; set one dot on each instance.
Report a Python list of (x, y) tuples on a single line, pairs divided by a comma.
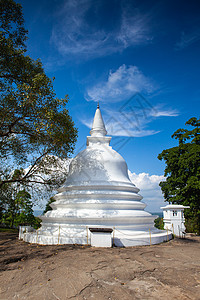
[(98, 194)]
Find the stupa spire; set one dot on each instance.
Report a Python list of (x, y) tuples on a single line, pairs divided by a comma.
[(98, 127)]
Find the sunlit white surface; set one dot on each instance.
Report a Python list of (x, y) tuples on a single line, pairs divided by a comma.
[(98, 193)]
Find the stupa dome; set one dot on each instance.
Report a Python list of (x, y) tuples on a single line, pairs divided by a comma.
[(98, 193), (98, 165)]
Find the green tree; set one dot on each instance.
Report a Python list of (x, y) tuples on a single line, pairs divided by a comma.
[(24, 208), (182, 172), (16, 204), (7, 205), (48, 207), (35, 126), (158, 223), (18, 209)]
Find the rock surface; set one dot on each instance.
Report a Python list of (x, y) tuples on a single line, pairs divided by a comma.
[(167, 271)]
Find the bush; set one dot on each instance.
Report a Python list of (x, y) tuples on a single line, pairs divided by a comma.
[(158, 223)]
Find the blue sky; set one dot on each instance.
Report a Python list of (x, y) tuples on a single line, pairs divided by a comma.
[(140, 59)]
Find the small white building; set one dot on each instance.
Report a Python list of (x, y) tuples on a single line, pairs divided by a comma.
[(173, 218)]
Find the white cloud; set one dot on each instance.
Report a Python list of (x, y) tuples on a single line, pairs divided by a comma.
[(129, 132), (188, 39), (124, 124), (149, 189), (121, 85), (126, 86), (57, 169), (76, 33), (132, 122), (157, 112), (133, 28)]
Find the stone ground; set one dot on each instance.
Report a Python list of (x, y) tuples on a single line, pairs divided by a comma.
[(167, 271)]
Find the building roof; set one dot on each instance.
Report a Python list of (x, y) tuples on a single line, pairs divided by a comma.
[(174, 206)]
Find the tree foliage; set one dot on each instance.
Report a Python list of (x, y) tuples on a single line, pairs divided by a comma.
[(33, 121), (158, 223), (16, 205), (48, 207), (182, 172)]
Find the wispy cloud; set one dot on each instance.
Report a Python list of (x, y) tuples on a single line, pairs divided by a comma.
[(134, 28), (188, 39), (79, 29), (117, 125), (132, 122), (125, 123), (120, 85), (159, 112), (132, 112)]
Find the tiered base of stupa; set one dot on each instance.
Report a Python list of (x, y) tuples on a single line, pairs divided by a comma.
[(65, 234), (79, 208)]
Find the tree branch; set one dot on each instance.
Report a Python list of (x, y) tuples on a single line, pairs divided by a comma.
[(10, 131)]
